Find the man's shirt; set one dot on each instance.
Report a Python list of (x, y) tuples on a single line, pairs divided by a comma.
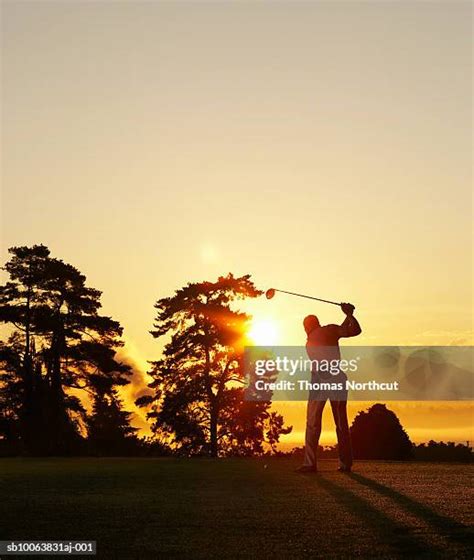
[(323, 342)]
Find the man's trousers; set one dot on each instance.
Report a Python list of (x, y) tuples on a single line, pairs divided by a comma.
[(313, 431)]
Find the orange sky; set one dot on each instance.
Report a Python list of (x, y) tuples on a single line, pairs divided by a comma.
[(322, 147)]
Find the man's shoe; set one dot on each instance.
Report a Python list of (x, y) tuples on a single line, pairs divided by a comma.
[(344, 469), (305, 469)]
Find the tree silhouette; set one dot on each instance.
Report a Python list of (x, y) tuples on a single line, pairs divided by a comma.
[(440, 451), (198, 402), (378, 434), (59, 342), (108, 426), (10, 401)]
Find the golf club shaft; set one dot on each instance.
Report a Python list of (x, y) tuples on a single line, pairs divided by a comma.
[(307, 297)]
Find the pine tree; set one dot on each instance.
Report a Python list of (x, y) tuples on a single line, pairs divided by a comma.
[(60, 341), (108, 426), (198, 401)]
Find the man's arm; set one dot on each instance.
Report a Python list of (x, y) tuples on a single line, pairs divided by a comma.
[(350, 326)]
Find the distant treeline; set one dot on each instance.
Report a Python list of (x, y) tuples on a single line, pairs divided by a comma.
[(378, 435), (434, 451), (440, 451)]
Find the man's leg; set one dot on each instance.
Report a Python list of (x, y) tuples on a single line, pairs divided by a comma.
[(314, 415), (339, 411)]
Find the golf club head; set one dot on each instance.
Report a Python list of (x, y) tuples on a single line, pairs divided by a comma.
[(270, 293)]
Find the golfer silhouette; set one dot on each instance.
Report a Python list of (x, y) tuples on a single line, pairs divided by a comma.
[(323, 343)]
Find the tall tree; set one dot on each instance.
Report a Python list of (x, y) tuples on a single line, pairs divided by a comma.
[(10, 397), (62, 343), (198, 403), (20, 299)]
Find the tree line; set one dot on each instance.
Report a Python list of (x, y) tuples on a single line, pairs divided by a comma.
[(377, 434), (60, 373)]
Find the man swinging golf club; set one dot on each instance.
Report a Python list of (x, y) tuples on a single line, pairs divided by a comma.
[(323, 343)]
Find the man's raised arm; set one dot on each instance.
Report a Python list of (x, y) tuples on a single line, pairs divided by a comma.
[(350, 326)]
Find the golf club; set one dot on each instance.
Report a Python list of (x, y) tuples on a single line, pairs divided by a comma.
[(269, 294)]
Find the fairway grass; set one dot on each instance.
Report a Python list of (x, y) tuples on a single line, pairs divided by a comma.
[(240, 508)]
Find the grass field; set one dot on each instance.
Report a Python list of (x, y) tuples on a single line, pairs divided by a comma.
[(240, 508)]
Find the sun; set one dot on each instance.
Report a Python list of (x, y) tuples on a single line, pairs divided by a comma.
[(264, 333)]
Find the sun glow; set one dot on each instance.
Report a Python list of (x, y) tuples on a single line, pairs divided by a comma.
[(264, 332)]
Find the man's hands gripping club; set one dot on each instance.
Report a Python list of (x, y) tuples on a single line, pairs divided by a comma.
[(348, 309)]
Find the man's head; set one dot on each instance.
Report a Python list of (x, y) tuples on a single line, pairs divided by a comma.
[(310, 323)]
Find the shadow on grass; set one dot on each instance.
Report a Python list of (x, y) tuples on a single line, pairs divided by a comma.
[(446, 526), (397, 537)]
